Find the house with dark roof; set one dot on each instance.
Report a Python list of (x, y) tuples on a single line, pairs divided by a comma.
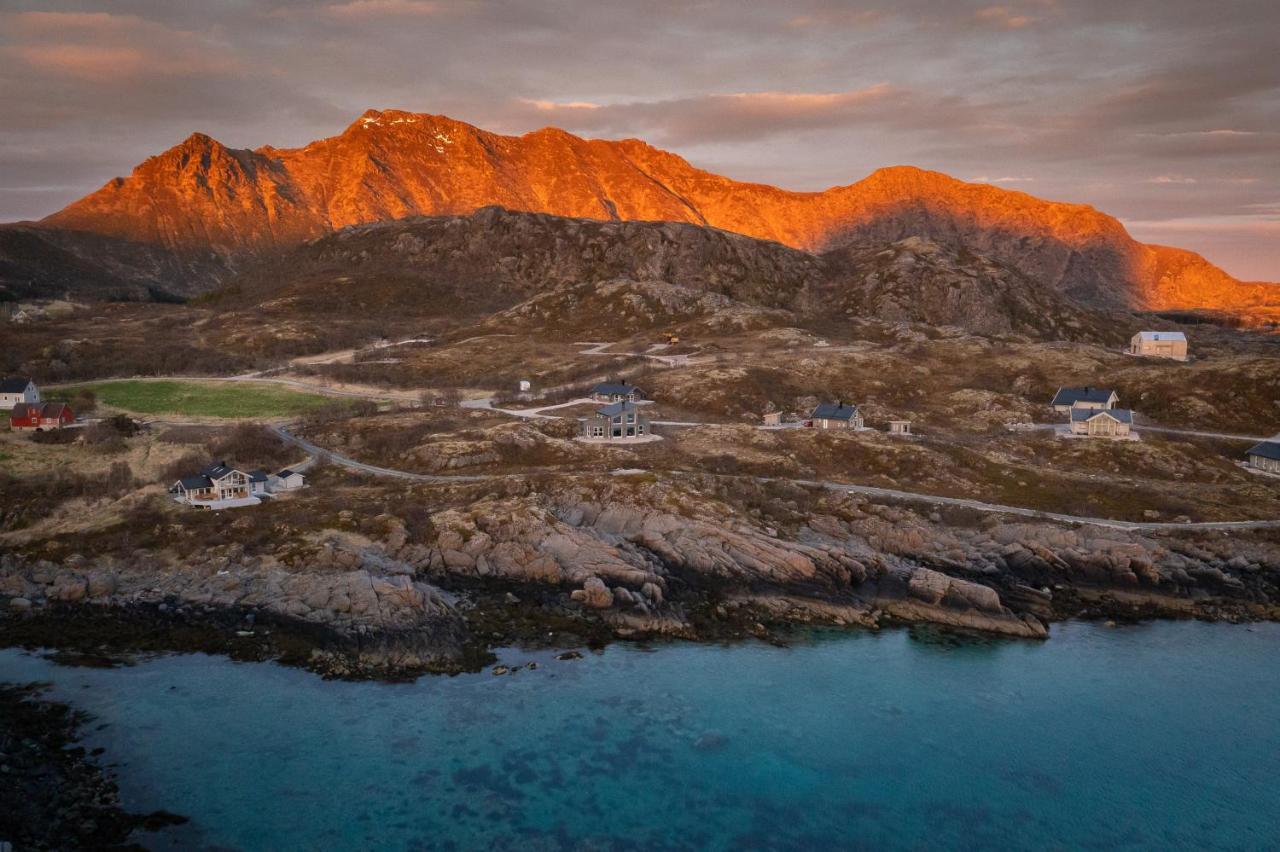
[(287, 480), (620, 421), (616, 392), (218, 486), (1102, 422), (1265, 456), (1159, 344), (836, 415), (14, 391), (1086, 397), (40, 416)]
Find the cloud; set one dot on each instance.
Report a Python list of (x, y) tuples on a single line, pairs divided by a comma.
[(98, 47), (1005, 179), (1002, 17), (384, 8), (740, 116), (1175, 179)]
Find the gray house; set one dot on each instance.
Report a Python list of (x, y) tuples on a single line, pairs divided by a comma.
[(1086, 397), (836, 415), (616, 392), (1265, 456), (616, 422)]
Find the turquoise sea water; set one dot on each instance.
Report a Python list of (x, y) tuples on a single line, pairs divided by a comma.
[(1164, 736)]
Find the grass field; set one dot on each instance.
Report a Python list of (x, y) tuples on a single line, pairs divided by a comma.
[(199, 399)]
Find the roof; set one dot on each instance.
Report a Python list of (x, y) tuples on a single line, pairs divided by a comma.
[(834, 411), (1083, 415), (286, 473), (14, 385), (43, 410), (615, 388), (1163, 335), (617, 408), (190, 483), (1267, 449), (258, 475), (1070, 396), (217, 470)]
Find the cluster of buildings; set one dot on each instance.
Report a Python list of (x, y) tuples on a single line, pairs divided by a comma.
[(21, 398), (1093, 412), (220, 486)]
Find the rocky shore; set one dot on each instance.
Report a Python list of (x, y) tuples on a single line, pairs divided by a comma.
[(53, 794), (621, 558)]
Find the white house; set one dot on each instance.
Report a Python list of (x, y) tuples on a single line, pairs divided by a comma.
[(1159, 344), (287, 480), (216, 487), (258, 481), (16, 390)]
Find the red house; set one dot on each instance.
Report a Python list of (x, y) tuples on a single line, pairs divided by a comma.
[(41, 416)]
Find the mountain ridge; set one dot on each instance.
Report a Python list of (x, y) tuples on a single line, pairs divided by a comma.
[(201, 195)]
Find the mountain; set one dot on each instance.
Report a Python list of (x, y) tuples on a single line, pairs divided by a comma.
[(201, 196), (573, 277)]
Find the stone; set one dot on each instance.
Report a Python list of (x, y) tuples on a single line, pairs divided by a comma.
[(19, 603), (594, 594)]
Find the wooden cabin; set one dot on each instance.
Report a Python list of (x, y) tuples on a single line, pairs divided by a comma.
[(836, 415), (1159, 344), (1102, 422)]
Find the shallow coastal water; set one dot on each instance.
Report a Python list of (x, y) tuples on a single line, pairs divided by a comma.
[(1153, 737)]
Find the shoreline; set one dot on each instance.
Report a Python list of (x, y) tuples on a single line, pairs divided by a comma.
[(111, 634), (56, 795)]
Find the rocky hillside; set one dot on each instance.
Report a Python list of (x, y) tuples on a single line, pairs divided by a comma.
[(577, 276), (48, 263), (201, 195)]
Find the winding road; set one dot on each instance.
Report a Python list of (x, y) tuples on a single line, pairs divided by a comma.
[(862, 490)]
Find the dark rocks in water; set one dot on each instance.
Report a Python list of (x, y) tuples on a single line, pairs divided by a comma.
[(569, 655), (54, 796), (711, 741)]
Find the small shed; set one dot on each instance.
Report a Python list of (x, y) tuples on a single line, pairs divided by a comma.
[(773, 418), (287, 480), (899, 427), (1159, 344)]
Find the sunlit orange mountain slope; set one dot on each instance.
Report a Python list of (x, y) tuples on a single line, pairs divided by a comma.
[(201, 195)]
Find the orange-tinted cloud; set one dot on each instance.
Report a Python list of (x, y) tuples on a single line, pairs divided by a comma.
[(384, 8), (102, 47)]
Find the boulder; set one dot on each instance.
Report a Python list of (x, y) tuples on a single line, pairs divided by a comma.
[(594, 594)]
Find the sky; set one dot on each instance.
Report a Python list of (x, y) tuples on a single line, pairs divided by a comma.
[(1164, 113)]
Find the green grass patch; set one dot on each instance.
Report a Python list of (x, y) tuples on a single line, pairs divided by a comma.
[(200, 399)]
